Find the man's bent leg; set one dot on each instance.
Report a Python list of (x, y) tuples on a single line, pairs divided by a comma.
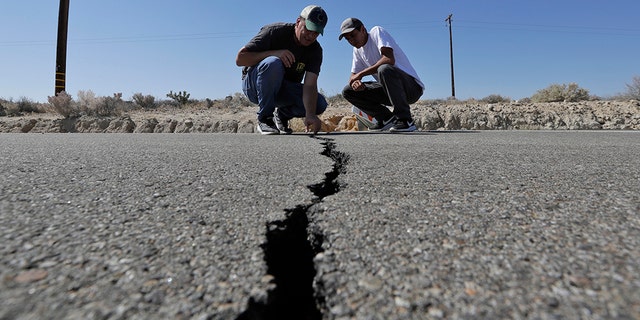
[(372, 100), (401, 90), (290, 104), (262, 84)]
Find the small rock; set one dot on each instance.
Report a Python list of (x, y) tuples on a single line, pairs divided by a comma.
[(32, 275)]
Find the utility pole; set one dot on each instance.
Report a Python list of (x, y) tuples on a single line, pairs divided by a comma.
[(61, 53), (453, 85)]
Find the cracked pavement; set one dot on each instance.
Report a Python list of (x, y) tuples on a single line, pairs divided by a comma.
[(485, 224)]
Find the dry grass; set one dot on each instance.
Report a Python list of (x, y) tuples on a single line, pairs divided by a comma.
[(87, 103)]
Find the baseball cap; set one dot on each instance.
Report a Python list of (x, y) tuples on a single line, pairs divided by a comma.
[(348, 25), (315, 18)]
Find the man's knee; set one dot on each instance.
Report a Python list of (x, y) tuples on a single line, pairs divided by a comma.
[(386, 70), (322, 104), (271, 60), (271, 64), (347, 92)]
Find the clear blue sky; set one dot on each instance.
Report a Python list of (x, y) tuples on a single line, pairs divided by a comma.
[(507, 47)]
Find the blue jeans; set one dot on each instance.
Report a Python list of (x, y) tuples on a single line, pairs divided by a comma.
[(264, 84)]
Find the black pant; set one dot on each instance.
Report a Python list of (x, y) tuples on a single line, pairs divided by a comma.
[(396, 88)]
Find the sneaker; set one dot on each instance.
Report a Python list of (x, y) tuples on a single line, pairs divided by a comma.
[(403, 126), (281, 123), (383, 125), (267, 127)]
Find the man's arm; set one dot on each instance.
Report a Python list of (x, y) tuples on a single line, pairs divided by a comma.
[(387, 57), (247, 58), (310, 100)]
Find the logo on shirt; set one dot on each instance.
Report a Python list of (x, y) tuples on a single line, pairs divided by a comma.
[(300, 67)]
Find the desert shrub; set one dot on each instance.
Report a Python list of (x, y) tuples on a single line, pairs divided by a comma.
[(145, 102), (238, 100), (468, 101), (27, 105), (182, 98), (495, 98), (431, 102), (18, 108), (63, 104), (561, 93), (202, 104), (9, 108), (633, 89), (86, 101), (108, 106), (552, 93), (337, 100), (208, 103), (573, 93), (235, 101)]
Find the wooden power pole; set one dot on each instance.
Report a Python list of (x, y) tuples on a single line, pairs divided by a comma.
[(453, 85), (61, 53)]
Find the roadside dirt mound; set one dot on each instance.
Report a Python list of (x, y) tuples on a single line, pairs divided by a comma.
[(590, 115)]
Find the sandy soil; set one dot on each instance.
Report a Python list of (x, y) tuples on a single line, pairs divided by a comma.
[(588, 115)]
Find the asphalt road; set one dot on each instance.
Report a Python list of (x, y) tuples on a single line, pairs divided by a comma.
[(486, 224)]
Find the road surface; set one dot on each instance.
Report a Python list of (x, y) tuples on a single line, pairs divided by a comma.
[(484, 224)]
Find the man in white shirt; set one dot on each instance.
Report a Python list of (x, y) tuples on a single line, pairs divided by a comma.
[(397, 84)]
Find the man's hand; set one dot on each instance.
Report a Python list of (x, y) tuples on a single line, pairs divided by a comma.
[(356, 83), (312, 123), (287, 58)]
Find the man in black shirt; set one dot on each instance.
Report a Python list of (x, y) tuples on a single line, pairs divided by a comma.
[(275, 62)]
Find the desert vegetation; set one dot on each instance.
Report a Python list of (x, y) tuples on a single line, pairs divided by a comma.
[(561, 93), (633, 89), (86, 103)]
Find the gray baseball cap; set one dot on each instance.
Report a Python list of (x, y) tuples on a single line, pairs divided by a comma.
[(349, 25), (315, 18)]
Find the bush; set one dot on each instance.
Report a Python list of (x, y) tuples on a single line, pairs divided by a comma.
[(108, 106), (24, 105), (633, 89), (145, 102), (86, 101), (337, 100), (238, 100), (495, 98), (63, 104), (27, 105), (208, 103), (182, 98), (561, 93), (9, 108)]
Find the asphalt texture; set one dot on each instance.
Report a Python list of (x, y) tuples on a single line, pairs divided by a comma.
[(453, 225)]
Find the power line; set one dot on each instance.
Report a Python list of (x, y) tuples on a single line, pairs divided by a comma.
[(428, 24), (554, 27), (130, 39)]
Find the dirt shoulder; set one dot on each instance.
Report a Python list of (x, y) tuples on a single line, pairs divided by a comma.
[(589, 115)]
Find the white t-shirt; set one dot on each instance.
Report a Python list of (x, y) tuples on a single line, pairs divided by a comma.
[(369, 54)]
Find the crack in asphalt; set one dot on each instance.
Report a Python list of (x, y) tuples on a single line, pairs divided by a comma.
[(289, 252)]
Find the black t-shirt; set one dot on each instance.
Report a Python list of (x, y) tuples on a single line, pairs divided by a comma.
[(279, 36)]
